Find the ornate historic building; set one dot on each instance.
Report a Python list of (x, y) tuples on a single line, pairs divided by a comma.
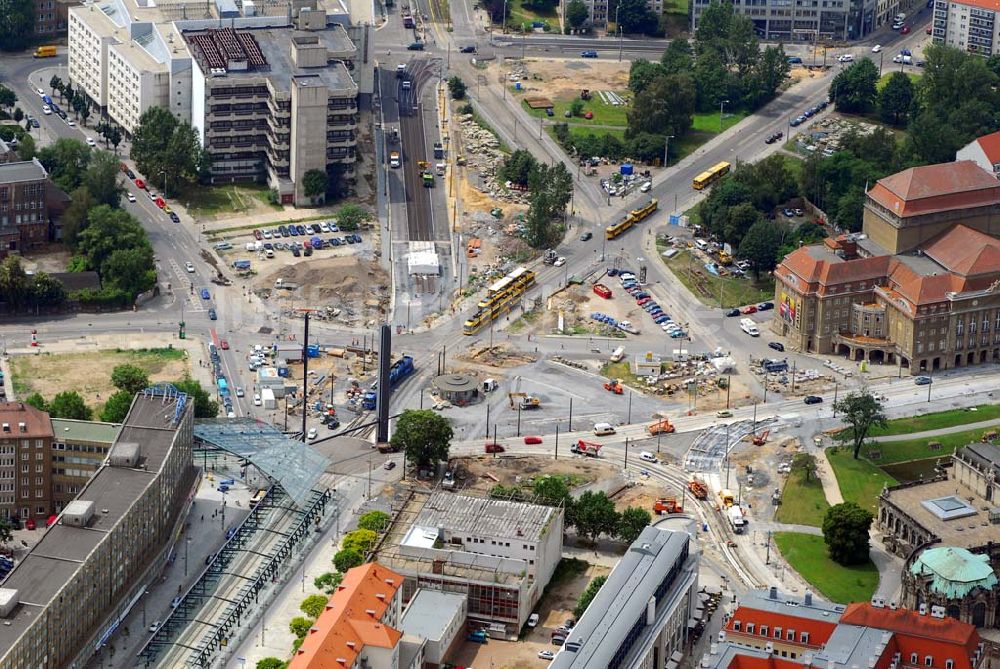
[(961, 582)]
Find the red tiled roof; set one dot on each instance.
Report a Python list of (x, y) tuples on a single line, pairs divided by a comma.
[(990, 144), (819, 630), (809, 269), (910, 623), (942, 187), (352, 620), (965, 251), (770, 662), (37, 423), (920, 289)]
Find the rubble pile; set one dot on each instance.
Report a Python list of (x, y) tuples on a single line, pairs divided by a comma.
[(483, 154)]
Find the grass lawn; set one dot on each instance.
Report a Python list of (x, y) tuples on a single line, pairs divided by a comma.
[(918, 449), (914, 77), (708, 288), (604, 114), (806, 553), (803, 502), (206, 201), (940, 419), (520, 14), (709, 122), (676, 7), (860, 481)]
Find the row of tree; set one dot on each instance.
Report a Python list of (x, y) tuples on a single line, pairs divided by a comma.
[(550, 190), (21, 291)]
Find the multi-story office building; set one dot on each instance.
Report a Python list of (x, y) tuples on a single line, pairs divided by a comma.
[(25, 462), (640, 616), (25, 194), (67, 595), (969, 25), (918, 288), (273, 104), (810, 20), (597, 11), (79, 449), (259, 90), (500, 554), (50, 17)]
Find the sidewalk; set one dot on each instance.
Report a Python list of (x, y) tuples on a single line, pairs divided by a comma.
[(831, 489)]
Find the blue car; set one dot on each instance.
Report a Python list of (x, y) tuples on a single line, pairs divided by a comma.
[(283, 230), (677, 334), (301, 229), (334, 241), (660, 320), (205, 295), (588, 54), (293, 231)]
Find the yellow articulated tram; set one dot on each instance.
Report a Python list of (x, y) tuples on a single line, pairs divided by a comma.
[(630, 219), (500, 298)]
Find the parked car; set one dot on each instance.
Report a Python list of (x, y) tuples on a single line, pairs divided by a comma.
[(470, 48), (212, 316), (546, 654), (415, 46), (922, 380), (389, 464), (752, 309), (533, 620), (224, 344), (732, 312), (258, 235), (813, 399), (586, 237), (877, 48), (777, 346), (765, 306)]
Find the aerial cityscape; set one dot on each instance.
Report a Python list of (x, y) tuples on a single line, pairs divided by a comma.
[(582, 334)]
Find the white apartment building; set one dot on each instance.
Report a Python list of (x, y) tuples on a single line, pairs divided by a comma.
[(969, 25)]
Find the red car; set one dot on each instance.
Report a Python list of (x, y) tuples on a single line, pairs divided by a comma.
[(905, 30), (30, 524), (494, 448), (140, 183), (532, 440), (752, 309), (929, 31), (161, 203), (223, 344), (257, 234), (643, 301)]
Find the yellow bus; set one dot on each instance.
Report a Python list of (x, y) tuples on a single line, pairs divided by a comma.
[(711, 175)]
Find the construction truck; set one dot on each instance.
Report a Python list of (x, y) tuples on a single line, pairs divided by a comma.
[(588, 448), (760, 439), (726, 499), (615, 386), (550, 257), (667, 505), (698, 488), (524, 401), (663, 426), (427, 177), (736, 519), (387, 447), (724, 258)]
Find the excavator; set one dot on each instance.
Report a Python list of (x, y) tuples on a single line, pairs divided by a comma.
[(615, 386), (761, 439), (524, 400)]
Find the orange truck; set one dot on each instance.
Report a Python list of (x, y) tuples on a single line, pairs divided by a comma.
[(698, 488), (667, 505), (588, 448), (661, 427)]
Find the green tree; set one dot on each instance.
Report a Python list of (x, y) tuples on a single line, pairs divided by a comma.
[(634, 16), (46, 290), (66, 162), (760, 246), (424, 436), (896, 98), (769, 72), (665, 106), (314, 605), (593, 514), (7, 97), (360, 540), (6, 533), (376, 521), (551, 491), (17, 24), (165, 147), (328, 582), (805, 463), (551, 189), (300, 626), (18, 114), (347, 559), (55, 83), (860, 411), (845, 531), (518, 167), (15, 286), (204, 405), (642, 73), (114, 135), (678, 57), (74, 219), (26, 147), (457, 88), (102, 179), (854, 89), (84, 112), (36, 400), (587, 596), (130, 378), (314, 183), (633, 521), (69, 404), (351, 216), (116, 408), (850, 209), (271, 663), (739, 221), (576, 14), (576, 107)]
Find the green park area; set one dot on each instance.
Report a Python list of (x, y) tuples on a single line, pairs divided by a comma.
[(807, 555), (225, 201), (939, 420), (859, 480), (803, 501), (717, 291)]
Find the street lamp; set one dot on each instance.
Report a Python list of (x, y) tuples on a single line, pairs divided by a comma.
[(722, 105), (164, 173), (621, 34), (666, 151)]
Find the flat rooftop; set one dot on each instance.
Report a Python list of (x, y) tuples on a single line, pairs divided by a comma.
[(780, 602), (63, 549), (66, 429), (21, 171), (461, 514), (967, 531), (481, 568), (430, 612)]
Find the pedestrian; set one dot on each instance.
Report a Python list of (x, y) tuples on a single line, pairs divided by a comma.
[(203, 518)]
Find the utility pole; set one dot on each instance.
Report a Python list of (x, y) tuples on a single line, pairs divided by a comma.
[(767, 558), (487, 419), (629, 419), (570, 414), (519, 419), (729, 385), (557, 442), (626, 452), (727, 455), (666, 150), (305, 373)]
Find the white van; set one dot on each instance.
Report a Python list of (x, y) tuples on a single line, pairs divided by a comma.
[(618, 354), (748, 326), (602, 429), (647, 456), (701, 244)]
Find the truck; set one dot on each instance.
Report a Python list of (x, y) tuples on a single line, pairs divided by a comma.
[(267, 398), (281, 284), (400, 370), (401, 69), (550, 257), (427, 178), (736, 519), (44, 52), (726, 499), (602, 290), (667, 505), (698, 488), (524, 401), (394, 160), (438, 150), (748, 326), (663, 426), (588, 448), (408, 21), (618, 354)]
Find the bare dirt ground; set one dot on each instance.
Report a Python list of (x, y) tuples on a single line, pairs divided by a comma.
[(482, 472), (358, 287), (53, 258), (559, 79), (89, 373)]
